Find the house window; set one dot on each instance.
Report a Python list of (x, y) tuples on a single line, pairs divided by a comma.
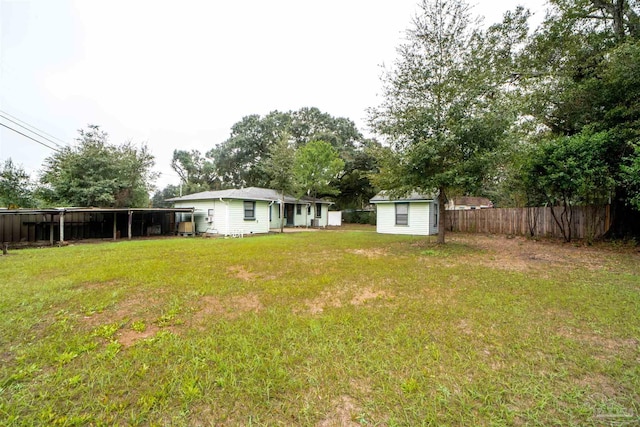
[(308, 209), (298, 209), (249, 210), (402, 213), (210, 212), (318, 210), (270, 209)]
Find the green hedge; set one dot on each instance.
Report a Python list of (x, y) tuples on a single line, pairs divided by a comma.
[(359, 217)]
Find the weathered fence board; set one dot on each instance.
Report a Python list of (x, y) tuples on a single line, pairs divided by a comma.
[(588, 222)]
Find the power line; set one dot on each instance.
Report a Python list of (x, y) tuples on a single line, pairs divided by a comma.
[(3, 113), (33, 139)]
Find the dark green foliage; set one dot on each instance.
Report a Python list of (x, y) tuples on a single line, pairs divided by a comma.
[(242, 159), (359, 216), (196, 171), (96, 173), (568, 171), (160, 196), (583, 79), (316, 165), (16, 189), (354, 182), (446, 113)]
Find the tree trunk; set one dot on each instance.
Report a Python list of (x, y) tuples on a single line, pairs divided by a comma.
[(442, 200)]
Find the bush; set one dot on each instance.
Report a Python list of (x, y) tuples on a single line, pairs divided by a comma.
[(359, 217)]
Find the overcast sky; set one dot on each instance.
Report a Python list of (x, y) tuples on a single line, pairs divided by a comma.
[(179, 74)]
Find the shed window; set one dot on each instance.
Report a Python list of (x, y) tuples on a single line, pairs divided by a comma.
[(298, 209), (318, 210), (249, 210), (402, 213)]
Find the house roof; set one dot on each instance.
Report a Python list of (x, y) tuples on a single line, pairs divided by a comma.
[(249, 193), (414, 196)]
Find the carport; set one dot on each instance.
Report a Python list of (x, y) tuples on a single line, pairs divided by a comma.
[(61, 224)]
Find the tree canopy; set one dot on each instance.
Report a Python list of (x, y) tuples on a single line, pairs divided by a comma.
[(16, 188), (94, 172), (582, 77), (445, 111)]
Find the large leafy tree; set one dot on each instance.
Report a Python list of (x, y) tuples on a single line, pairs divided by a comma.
[(445, 111), (279, 166), (16, 189), (94, 172), (241, 160), (315, 166), (196, 171), (159, 199), (582, 75)]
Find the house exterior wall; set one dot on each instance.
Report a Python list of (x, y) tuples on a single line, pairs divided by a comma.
[(309, 214), (275, 215), (301, 220), (304, 218), (421, 219), (200, 213), (228, 216), (237, 223)]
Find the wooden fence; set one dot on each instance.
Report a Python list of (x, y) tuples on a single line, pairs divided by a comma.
[(588, 222)]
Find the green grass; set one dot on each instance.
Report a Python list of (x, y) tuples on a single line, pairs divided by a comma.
[(324, 328)]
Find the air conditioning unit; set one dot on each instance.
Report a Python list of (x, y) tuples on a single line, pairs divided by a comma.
[(209, 219)]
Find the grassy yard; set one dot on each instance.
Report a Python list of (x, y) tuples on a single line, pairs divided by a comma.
[(332, 328)]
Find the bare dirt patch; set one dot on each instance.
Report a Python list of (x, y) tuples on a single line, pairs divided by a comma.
[(604, 344), (518, 253), (227, 308), (128, 337), (369, 253), (134, 306), (240, 272), (368, 294), (344, 410), (342, 297)]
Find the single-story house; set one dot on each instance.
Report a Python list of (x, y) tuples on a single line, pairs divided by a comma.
[(251, 210), (415, 214), (467, 203)]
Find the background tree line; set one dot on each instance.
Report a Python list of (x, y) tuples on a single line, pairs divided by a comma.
[(549, 116), (246, 158)]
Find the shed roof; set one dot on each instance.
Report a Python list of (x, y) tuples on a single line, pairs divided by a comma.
[(414, 196)]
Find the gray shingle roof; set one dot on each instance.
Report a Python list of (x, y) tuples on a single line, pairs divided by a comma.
[(383, 196), (249, 193)]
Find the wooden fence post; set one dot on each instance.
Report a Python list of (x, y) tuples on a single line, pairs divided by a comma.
[(5, 248)]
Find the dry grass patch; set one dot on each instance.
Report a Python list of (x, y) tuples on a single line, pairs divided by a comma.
[(517, 253), (344, 411), (372, 253), (227, 307), (338, 298), (128, 337)]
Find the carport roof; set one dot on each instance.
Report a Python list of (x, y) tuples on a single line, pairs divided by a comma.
[(55, 211)]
